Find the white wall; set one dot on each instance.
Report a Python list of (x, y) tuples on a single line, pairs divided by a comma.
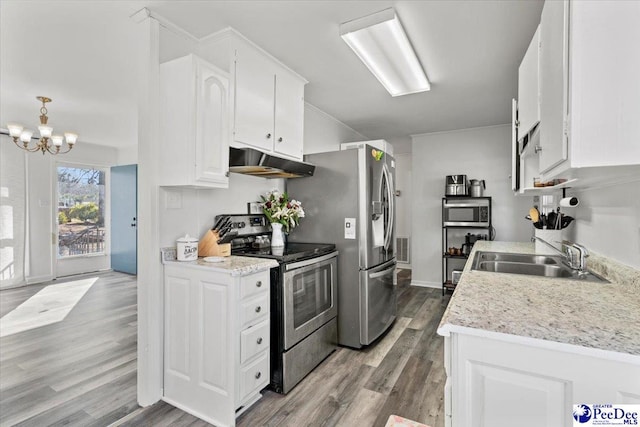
[(323, 132), (481, 153), (608, 222), (41, 188), (404, 202), (199, 207)]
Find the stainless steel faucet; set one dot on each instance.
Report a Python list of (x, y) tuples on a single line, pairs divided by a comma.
[(568, 251)]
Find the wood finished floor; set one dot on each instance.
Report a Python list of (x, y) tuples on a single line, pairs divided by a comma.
[(79, 371), (82, 371), (401, 374)]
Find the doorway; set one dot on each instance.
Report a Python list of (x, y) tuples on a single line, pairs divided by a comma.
[(124, 218), (82, 218)]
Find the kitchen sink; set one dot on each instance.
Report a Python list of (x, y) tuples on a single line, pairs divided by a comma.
[(532, 265), (521, 258)]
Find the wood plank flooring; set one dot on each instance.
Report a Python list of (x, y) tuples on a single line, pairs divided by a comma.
[(401, 374), (81, 371)]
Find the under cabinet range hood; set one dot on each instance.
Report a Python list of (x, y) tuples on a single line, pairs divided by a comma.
[(253, 162)]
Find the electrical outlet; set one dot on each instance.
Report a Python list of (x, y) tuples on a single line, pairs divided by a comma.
[(168, 254)]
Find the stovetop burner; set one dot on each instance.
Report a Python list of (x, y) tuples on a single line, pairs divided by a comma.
[(290, 252)]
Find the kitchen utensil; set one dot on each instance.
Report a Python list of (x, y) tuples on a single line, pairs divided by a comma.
[(551, 220), (187, 248), (476, 187), (566, 220), (218, 223), (228, 237), (534, 214)]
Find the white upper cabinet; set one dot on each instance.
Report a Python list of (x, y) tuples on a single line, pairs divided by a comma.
[(194, 124), (269, 104), (553, 83), (289, 115), (590, 86), (255, 97), (529, 88), (589, 95), (604, 126)]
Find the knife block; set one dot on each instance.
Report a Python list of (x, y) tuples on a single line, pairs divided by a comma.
[(208, 245)]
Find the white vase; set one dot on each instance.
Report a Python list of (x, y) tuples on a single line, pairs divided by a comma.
[(277, 240)]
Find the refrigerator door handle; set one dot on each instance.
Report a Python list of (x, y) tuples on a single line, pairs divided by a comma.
[(389, 229), (376, 209), (382, 273)]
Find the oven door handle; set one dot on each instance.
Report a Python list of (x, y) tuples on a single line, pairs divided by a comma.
[(307, 262)]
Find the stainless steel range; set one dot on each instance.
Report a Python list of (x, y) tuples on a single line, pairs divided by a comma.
[(303, 299)]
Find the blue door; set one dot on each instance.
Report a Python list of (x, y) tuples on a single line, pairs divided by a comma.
[(124, 213)]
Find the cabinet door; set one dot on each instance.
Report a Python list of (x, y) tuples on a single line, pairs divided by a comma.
[(212, 124), (528, 88), (553, 83), (605, 130), (254, 100), (289, 115), (198, 376)]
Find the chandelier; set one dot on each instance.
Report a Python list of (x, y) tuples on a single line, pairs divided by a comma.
[(48, 141)]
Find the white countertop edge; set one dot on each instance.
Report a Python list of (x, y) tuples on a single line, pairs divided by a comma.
[(447, 329), (257, 265)]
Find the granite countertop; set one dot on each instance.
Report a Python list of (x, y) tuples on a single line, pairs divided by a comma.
[(593, 316), (234, 265)]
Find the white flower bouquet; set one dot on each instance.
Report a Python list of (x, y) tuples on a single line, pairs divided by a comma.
[(280, 209)]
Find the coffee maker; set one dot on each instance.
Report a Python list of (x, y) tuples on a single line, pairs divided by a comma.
[(469, 240)]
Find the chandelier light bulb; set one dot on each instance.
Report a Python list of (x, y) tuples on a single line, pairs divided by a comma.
[(71, 138), (15, 130), (26, 135), (45, 131), (57, 140)]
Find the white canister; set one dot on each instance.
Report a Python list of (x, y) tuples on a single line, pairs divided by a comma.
[(187, 248)]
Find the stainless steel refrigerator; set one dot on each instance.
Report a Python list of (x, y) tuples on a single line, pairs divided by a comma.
[(350, 201)]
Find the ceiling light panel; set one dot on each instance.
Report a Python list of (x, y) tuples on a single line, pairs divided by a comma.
[(382, 45)]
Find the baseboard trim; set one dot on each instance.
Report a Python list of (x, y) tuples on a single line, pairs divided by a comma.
[(38, 279), (425, 284)]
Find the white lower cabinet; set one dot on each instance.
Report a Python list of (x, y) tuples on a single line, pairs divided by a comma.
[(498, 383), (216, 341)]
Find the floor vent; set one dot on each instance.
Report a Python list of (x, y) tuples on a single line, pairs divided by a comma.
[(403, 250)]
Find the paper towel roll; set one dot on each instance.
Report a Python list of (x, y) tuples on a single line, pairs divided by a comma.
[(569, 202)]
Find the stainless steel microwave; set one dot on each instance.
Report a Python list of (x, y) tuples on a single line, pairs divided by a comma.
[(473, 212)]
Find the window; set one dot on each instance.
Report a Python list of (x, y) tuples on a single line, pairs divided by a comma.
[(81, 211)]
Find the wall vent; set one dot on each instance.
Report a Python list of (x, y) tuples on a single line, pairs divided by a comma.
[(403, 250)]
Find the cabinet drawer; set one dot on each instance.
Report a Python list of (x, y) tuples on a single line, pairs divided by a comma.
[(254, 284), (254, 376), (254, 340), (254, 309)]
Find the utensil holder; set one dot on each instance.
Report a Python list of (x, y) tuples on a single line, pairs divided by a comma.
[(553, 237), (208, 245)]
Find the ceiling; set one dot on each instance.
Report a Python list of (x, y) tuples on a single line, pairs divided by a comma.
[(80, 53)]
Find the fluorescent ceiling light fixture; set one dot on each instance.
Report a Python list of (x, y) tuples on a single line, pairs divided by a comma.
[(381, 43)]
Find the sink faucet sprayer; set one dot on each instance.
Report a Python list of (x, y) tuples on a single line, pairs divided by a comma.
[(568, 251)]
